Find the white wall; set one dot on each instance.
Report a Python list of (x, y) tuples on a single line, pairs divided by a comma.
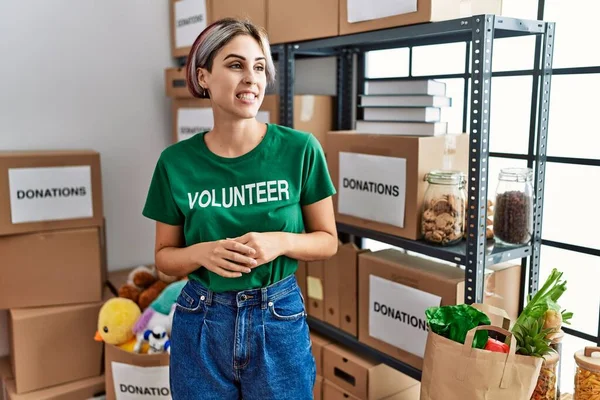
[(89, 74)]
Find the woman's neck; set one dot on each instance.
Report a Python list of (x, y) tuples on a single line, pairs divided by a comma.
[(234, 138)]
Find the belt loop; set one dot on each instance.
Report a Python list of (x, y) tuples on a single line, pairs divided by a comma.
[(209, 296), (264, 298)]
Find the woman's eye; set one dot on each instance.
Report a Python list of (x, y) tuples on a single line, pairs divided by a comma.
[(236, 65), (260, 68)]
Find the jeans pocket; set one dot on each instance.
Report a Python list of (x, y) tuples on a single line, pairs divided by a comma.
[(190, 303), (288, 308)]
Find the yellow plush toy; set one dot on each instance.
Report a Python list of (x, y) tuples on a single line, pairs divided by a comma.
[(115, 322)]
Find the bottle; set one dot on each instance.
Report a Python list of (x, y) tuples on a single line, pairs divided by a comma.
[(587, 373), (513, 209), (443, 216)]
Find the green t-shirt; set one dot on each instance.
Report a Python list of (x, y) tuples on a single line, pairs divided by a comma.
[(215, 197)]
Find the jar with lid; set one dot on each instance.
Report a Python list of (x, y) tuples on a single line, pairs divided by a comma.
[(547, 382), (443, 216), (587, 374), (513, 211)]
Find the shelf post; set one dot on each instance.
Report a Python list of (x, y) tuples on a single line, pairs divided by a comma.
[(545, 68), (286, 76), (477, 182), (345, 81)]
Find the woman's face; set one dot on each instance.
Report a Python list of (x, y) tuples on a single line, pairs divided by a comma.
[(238, 79)]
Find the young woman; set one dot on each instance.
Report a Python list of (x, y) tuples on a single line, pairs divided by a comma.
[(235, 209)]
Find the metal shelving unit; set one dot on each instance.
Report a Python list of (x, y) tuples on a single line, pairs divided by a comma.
[(479, 33)]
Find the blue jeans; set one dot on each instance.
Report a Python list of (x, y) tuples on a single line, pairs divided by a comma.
[(250, 345)]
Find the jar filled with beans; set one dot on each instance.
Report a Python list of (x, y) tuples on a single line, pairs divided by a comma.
[(513, 209)]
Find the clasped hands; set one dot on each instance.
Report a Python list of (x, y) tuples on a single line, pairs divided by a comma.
[(233, 257)]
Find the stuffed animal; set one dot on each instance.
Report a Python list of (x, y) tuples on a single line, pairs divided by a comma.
[(158, 341), (144, 285), (160, 312), (116, 319)]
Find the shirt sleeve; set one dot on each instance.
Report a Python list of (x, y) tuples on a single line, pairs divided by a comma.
[(160, 204), (317, 184)]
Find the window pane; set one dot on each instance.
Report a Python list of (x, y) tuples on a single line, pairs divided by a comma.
[(575, 22), (562, 221), (388, 63), (582, 273), (572, 127), (510, 114), (526, 9), (454, 115), (439, 59), (512, 54)]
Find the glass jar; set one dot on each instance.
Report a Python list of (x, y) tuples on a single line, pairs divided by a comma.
[(546, 386), (587, 374), (443, 216), (513, 209)]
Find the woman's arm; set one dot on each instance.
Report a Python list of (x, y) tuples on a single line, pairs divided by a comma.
[(174, 259), (320, 240), (318, 243)]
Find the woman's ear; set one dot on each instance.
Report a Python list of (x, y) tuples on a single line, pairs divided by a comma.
[(201, 75)]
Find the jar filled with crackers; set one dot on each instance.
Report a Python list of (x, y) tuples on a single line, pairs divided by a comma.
[(443, 216), (587, 374)]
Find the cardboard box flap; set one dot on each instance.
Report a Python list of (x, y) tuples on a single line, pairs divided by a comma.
[(21, 314), (47, 153), (319, 340), (422, 266), (78, 390)]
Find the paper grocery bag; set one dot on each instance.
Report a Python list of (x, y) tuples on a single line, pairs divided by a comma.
[(455, 371)]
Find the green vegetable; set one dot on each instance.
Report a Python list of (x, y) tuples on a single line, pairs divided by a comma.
[(453, 322), (532, 338)]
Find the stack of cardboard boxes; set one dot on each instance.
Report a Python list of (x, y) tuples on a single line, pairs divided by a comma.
[(285, 20), (343, 374), (52, 273)]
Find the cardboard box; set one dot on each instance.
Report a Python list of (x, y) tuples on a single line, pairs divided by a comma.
[(5, 374), (412, 393), (253, 10), (49, 190), (191, 116), (135, 373), (332, 392), (287, 20), (176, 85), (341, 288), (318, 389), (367, 18), (395, 289), (78, 390), (315, 289), (188, 19), (301, 278), (380, 178), (51, 268), (54, 345), (318, 343), (362, 377), (314, 114)]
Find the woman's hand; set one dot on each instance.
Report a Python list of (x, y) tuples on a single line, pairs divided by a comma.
[(227, 258), (268, 245)]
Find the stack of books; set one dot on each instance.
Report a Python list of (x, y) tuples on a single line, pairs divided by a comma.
[(403, 107)]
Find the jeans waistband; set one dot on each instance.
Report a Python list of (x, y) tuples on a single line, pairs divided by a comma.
[(250, 297)]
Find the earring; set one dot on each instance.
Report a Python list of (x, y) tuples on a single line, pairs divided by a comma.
[(204, 92)]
